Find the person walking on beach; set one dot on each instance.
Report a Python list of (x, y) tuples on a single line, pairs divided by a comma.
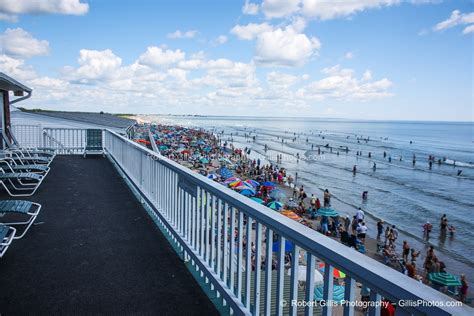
[(318, 204), (361, 232), (360, 214), (379, 228), (463, 288), (327, 198), (427, 230), (354, 170), (406, 251)]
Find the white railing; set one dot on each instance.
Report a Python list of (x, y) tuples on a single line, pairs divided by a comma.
[(211, 225)]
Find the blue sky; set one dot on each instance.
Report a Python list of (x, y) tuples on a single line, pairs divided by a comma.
[(386, 59)]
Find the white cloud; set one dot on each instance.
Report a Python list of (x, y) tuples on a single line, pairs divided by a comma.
[(250, 31), (349, 55), (468, 29), (280, 8), (281, 80), (178, 34), (9, 9), (457, 18), (20, 44), (159, 57), (341, 84), (326, 10), (250, 8), (94, 65), (16, 68), (221, 39), (285, 47)]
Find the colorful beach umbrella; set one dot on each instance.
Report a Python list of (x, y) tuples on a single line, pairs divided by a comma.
[(327, 212), (444, 279), (237, 183), (290, 214), (247, 192), (268, 184), (337, 294), (252, 183), (335, 272), (258, 200), (274, 205), (231, 179)]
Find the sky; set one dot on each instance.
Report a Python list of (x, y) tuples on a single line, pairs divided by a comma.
[(367, 59)]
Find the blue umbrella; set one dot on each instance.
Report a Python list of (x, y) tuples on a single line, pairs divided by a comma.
[(337, 294), (327, 212), (247, 192), (225, 173), (212, 176), (288, 246), (268, 184), (258, 200)]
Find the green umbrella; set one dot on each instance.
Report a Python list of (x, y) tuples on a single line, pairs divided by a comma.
[(327, 212), (444, 278), (204, 160), (258, 200)]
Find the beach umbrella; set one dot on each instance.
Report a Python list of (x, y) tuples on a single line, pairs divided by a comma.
[(277, 194), (204, 160), (318, 277), (336, 273), (288, 246), (225, 160), (231, 179), (327, 212), (212, 176), (291, 215), (247, 192), (163, 147), (337, 294), (258, 200), (243, 187), (237, 183), (268, 184), (253, 183), (274, 205), (444, 278)]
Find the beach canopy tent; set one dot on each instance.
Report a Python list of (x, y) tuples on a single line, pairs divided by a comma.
[(8, 84), (327, 212)]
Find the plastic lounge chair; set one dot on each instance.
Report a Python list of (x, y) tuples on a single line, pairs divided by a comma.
[(21, 158), (24, 182), (20, 207), (14, 166), (7, 234), (14, 146), (93, 142)]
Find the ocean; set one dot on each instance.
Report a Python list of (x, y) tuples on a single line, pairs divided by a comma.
[(399, 192)]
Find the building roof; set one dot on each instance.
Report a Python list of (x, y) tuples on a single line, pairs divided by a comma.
[(7, 83)]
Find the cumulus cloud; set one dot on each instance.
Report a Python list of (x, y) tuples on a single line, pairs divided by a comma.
[(280, 8), (250, 8), (221, 39), (20, 44), (285, 47), (250, 31), (457, 18), (159, 57), (16, 68), (342, 84), (185, 34), (94, 65), (9, 9), (326, 10)]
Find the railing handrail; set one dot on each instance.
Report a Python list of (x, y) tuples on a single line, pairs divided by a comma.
[(376, 275)]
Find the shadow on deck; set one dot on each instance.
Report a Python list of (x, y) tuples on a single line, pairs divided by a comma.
[(94, 250)]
